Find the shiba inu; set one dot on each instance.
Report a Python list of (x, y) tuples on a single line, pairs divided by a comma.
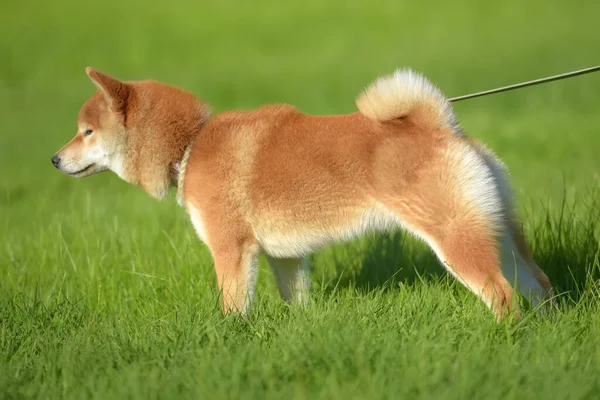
[(278, 181)]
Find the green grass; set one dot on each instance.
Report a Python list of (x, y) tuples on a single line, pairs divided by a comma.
[(106, 293)]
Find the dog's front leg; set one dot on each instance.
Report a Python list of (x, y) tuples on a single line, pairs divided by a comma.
[(237, 269), (293, 278)]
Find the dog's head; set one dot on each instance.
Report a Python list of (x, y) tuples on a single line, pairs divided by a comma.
[(100, 130), (138, 130)]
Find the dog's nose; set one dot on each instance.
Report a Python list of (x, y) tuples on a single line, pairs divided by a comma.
[(55, 160)]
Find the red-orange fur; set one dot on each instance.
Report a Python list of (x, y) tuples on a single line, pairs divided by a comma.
[(286, 183)]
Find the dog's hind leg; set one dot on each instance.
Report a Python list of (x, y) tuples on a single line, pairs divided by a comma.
[(293, 279), (456, 207), (519, 239), (531, 280), (468, 247)]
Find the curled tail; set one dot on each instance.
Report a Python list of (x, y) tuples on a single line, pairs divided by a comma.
[(407, 94)]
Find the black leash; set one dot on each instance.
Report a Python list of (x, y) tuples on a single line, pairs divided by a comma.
[(528, 83)]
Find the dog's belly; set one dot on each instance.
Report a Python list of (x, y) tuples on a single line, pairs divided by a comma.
[(288, 238)]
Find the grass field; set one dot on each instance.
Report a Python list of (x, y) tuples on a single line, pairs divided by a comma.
[(107, 293)]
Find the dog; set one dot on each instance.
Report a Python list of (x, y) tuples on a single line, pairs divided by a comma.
[(281, 182)]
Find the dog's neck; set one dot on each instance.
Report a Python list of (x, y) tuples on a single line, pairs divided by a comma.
[(178, 168), (181, 166)]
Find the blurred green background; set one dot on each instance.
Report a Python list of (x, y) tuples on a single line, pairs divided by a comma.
[(316, 55), (97, 278)]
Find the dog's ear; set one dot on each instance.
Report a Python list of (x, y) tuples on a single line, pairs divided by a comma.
[(114, 91)]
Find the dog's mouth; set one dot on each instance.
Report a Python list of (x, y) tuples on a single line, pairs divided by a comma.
[(81, 171)]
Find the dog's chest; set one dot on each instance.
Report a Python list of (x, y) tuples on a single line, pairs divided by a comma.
[(198, 221)]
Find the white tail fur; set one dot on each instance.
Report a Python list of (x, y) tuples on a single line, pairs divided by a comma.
[(400, 94)]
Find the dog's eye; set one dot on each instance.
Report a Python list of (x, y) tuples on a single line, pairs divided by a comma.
[(88, 132)]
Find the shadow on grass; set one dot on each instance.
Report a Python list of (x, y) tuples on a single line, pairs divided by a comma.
[(383, 262), (565, 243)]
